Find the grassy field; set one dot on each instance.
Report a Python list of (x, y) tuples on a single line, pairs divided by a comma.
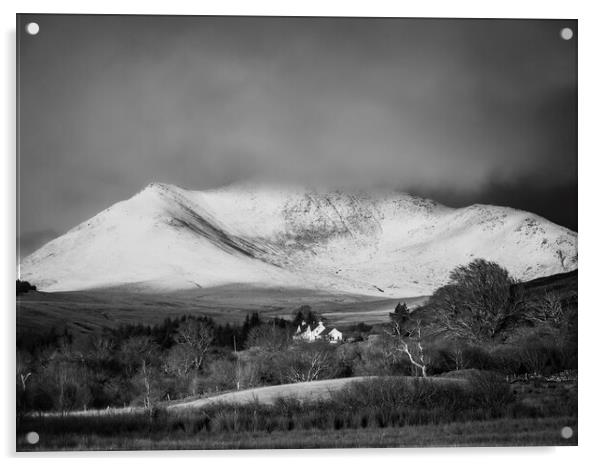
[(318, 389), (499, 432), (88, 311), (373, 412)]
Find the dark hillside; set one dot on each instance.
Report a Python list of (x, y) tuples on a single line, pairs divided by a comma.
[(565, 284), (561, 282)]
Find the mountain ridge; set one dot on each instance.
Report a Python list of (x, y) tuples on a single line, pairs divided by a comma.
[(378, 243)]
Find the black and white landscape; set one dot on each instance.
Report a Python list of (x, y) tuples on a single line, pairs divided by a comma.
[(296, 233)]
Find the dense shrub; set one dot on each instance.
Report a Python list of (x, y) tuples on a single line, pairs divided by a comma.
[(24, 287), (445, 357), (477, 357), (477, 390)]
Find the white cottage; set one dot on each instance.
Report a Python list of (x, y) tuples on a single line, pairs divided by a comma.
[(305, 332), (335, 335)]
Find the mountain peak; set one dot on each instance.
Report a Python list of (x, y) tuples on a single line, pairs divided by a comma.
[(156, 186)]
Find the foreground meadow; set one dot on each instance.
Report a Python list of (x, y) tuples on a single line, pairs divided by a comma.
[(478, 408), (500, 432)]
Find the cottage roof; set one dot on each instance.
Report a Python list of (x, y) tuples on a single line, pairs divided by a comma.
[(303, 327)]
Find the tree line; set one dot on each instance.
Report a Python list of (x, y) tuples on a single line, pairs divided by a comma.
[(144, 364)]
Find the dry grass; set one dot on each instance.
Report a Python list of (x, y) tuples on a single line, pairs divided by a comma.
[(89, 311), (499, 432), (377, 412), (304, 391)]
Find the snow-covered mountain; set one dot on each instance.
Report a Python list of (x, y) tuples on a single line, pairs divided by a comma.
[(382, 244)]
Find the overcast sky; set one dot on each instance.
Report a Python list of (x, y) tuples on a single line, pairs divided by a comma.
[(462, 111)]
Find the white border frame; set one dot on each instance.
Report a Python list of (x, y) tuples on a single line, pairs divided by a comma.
[(590, 168)]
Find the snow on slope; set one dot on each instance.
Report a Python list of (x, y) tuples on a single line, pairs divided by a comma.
[(383, 244)]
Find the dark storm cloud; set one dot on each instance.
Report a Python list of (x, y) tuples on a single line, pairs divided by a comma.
[(109, 104), (557, 203)]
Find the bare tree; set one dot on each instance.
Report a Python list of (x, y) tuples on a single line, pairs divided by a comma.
[(24, 371), (196, 337), (238, 372), (141, 354), (408, 341), (64, 373), (546, 309), (101, 348), (456, 349), (309, 361), (406, 334), (178, 361), (268, 337)]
